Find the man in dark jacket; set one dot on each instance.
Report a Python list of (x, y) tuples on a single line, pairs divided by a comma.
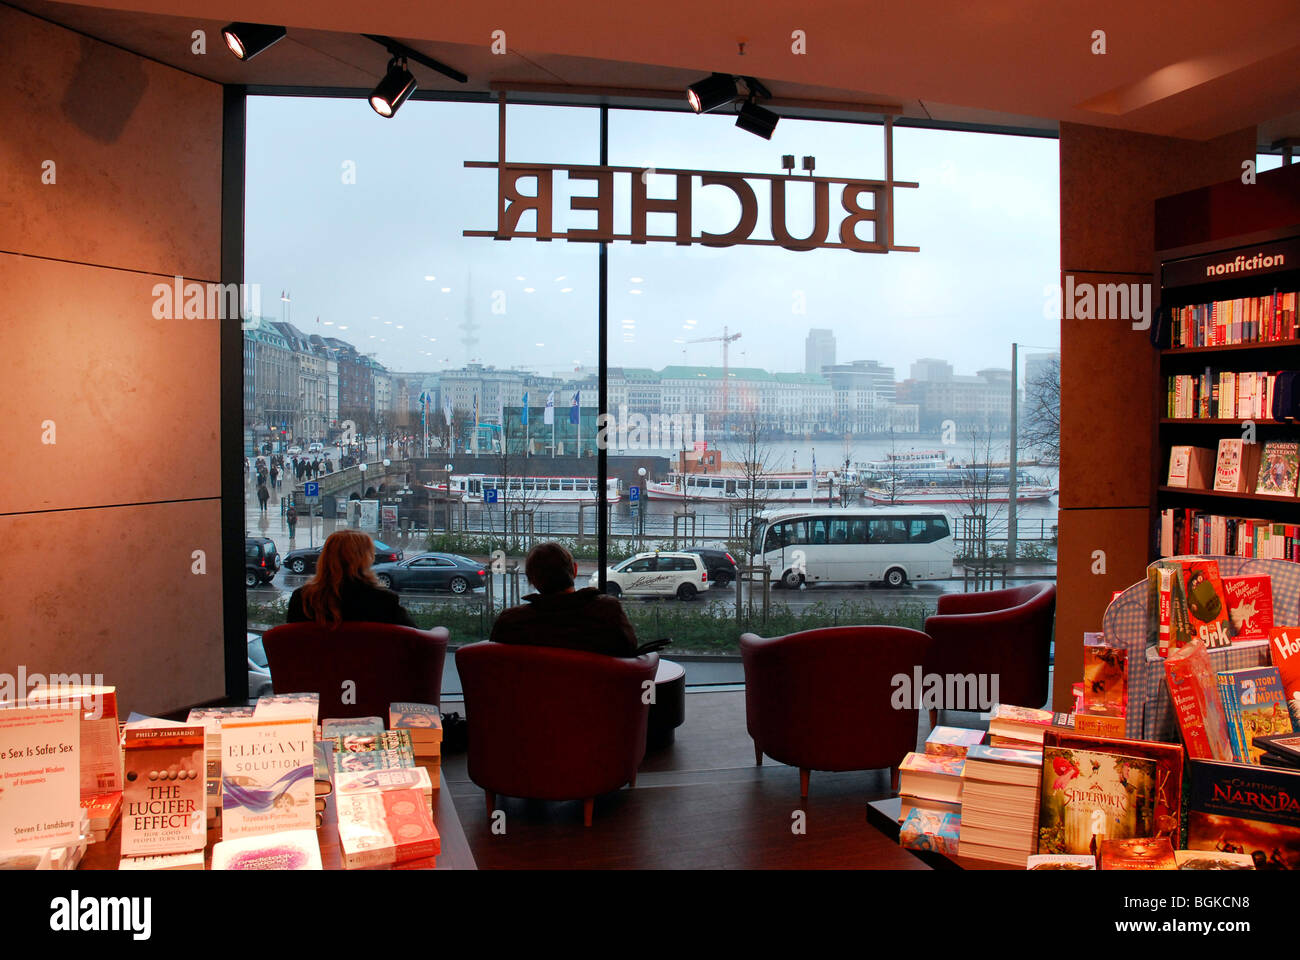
[(560, 616)]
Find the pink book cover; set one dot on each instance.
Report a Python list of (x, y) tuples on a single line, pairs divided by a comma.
[(1250, 606)]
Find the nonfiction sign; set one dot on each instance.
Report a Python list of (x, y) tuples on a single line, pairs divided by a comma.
[(861, 219)]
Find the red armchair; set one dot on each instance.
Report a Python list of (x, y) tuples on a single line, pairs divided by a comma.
[(1007, 633), (823, 699), (547, 723), (385, 663)]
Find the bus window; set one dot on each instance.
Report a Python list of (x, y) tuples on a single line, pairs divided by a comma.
[(928, 529), (858, 532), (839, 531), (888, 531), (818, 530)]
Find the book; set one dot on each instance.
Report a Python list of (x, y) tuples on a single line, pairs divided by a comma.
[(1252, 810), (350, 727), (382, 829), (164, 861), (1137, 853), (103, 809), (1284, 650), (100, 739), (1167, 624), (923, 829), (373, 742), (413, 778), (1191, 467), (907, 802), (951, 741), (422, 719), (40, 778), (288, 850), (1207, 603), (163, 808), (1105, 679), (1283, 746), (267, 782), (1279, 466), (277, 705), (1257, 707), (1194, 694), (1002, 765), (1236, 466), (935, 778), (1022, 724), (1250, 607), (1089, 796), (1212, 860), (1061, 861), (1168, 758)]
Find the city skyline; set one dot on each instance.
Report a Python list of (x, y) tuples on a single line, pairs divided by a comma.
[(357, 254)]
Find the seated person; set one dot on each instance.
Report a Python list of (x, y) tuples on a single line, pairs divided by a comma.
[(560, 616), (345, 587)]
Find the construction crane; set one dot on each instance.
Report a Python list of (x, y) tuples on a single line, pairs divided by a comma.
[(725, 340)]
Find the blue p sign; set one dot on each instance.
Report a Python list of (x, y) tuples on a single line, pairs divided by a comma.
[(311, 489), (490, 495), (634, 494)]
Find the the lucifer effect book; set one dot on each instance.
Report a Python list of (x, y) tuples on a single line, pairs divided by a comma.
[(267, 776), (163, 807)]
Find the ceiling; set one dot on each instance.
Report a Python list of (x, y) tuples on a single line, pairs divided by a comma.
[(1188, 69)]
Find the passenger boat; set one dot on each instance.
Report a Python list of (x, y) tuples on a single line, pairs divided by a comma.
[(469, 487), (957, 485), (730, 487)]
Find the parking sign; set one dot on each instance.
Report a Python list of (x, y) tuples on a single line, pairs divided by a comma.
[(490, 495), (634, 494), (311, 489)]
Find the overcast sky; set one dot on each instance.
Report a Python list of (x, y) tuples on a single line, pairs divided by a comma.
[(356, 255)]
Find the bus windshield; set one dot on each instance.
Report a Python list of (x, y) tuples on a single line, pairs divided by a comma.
[(757, 532)]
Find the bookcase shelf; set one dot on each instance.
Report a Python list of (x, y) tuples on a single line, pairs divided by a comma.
[(1197, 275)]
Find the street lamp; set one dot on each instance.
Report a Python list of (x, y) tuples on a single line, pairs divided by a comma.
[(641, 504)]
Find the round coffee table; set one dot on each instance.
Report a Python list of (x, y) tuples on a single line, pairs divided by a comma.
[(668, 711)]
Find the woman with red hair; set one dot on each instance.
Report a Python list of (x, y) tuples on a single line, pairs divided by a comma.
[(345, 587)]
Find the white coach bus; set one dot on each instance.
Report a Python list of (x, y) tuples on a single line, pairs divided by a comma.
[(890, 545)]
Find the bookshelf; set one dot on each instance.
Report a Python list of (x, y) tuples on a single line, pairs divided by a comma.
[(1206, 273)]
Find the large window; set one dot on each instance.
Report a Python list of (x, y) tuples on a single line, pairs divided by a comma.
[(443, 390)]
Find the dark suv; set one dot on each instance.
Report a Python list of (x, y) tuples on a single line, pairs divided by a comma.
[(261, 561), (720, 564)]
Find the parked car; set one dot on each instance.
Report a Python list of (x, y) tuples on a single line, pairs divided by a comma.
[(294, 451), (721, 565), (316, 447), (305, 560), (261, 561), (682, 575), (432, 571)]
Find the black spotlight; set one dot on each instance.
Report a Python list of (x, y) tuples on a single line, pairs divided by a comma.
[(759, 121), (394, 89), (247, 40), (711, 93)]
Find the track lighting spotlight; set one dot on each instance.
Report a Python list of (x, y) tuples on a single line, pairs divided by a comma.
[(712, 92), (394, 89), (759, 121), (247, 40)]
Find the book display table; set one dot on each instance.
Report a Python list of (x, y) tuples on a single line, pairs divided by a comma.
[(455, 854)]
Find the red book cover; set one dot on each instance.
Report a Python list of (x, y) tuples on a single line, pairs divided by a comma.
[(1250, 605), (1193, 690), (1284, 648), (1155, 853)]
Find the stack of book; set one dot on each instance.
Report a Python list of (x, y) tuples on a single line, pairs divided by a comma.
[(1000, 792), (930, 789), (102, 809), (210, 718), (425, 726), (1279, 750), (1017, 728), (390, 828)]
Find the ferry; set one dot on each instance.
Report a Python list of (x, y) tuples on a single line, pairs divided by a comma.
[(900, 463), (469, 487), (729, 487), (957, 485)]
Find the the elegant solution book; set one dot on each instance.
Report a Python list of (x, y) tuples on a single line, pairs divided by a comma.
[(267, 776)]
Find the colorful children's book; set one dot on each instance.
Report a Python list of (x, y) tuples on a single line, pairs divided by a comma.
[(923, 829), (1090, 796), (1250, 607), (1257, 707), (951, 741), (1061, 861), (1137, 853), (1213, 860), (1194, 693), (1279, 466), (1207, 603), (1284, 648), (1245, 810), (1235, 467)]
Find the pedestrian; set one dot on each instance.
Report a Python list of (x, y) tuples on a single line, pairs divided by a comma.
[(275, 476), (291, 518), (263, 494)]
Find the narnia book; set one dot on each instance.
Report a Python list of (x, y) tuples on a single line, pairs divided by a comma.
[(1250, 607), (1168, 758), (163, 809), (1279, 466), (267, 776), (1090, 796), (1284, 649), (1246, 810), (1212, 860), (1138, 853)]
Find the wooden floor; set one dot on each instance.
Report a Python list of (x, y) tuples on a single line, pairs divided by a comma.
[(698, 803)]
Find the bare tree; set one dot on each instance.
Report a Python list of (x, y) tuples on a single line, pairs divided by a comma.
[(1041, 426), (757, 460), (981, 505)]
